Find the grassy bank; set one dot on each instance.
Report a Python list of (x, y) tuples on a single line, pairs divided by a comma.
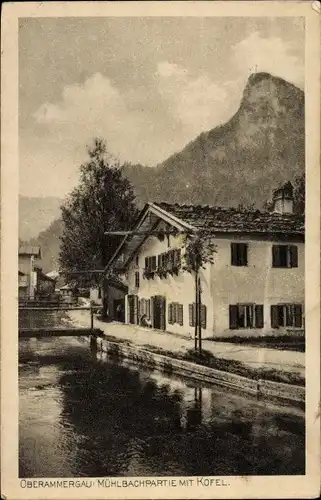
[(206, 358), (283, 342)]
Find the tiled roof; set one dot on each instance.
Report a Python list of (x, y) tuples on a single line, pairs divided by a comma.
[(29, 250), (232, 220)]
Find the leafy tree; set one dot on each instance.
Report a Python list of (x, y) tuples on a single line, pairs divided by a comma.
[(299, 194), (103, 200), (199, 251)]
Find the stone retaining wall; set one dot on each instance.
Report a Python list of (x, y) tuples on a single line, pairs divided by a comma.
[(260, 388)]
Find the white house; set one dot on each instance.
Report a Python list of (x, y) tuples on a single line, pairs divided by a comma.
[(27, 273), (255, 286)]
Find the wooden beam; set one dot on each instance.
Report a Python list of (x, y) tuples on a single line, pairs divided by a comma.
[(58, 308), (28, 333), (143, 233)]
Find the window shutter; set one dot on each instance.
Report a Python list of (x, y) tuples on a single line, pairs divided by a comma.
[(170, 313), (244, 254), (159, 263), (176, 257), (274, 317), (275, 256), (180, 314), (162, 303), (203, 316), (153, 266), (173, 312), (190, 315), (136, 310), (146, 262), (294, 256), (234, 254), (259, 318), (148, 309), (233, 311), (298, 315)]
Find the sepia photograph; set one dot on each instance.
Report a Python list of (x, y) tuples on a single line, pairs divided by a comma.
[(161, 251)]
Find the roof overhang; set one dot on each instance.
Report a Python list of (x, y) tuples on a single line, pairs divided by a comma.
[(149, 208)]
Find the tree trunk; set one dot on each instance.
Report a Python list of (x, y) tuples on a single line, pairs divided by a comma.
[(199, 303)]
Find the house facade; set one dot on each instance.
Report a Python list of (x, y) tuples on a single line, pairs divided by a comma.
[(27, 257), (253, 286)]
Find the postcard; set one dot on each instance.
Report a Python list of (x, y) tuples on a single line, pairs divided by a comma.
[(160, 250)]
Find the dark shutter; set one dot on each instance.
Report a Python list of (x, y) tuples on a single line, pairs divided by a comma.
[(162, 311), (153, 266), (233, 311), (190, 315), (274, 317), (136, 311), (177, 257), (298, 315), (234, 260), (275, 256), (148, 308), (180, 314), (170, 313), (173, 313), (203, 316), (244, 254), (259, 318), (294, 256), (146, 262)]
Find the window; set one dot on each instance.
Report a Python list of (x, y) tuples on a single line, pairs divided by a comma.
[(286, 315), (246, 316), (144, 308), (175, 313), (150, 263), (137, 279), (99, 292), (192, 315), (239, 254), (169, 259), (284, 256), (137, 260)]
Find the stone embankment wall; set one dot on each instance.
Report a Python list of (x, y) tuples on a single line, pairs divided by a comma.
[(260, 388)]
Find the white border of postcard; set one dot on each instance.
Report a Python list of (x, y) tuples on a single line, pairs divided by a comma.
[(236, 487)]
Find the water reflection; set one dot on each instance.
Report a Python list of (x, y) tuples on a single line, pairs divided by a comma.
[(89, 415)]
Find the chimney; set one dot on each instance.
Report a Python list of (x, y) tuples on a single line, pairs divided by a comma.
[(283, 199)]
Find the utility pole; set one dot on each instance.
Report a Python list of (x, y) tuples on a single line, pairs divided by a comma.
[(196, 312)]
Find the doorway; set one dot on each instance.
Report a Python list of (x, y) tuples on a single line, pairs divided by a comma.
[(133, 309), (159, 312)]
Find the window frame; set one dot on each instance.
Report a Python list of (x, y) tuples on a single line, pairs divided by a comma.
[(253, 316), (137, 279), (239, 258), (290, 258), (290, 314)]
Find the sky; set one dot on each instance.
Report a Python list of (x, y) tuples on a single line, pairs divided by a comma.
[(148, 86)]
